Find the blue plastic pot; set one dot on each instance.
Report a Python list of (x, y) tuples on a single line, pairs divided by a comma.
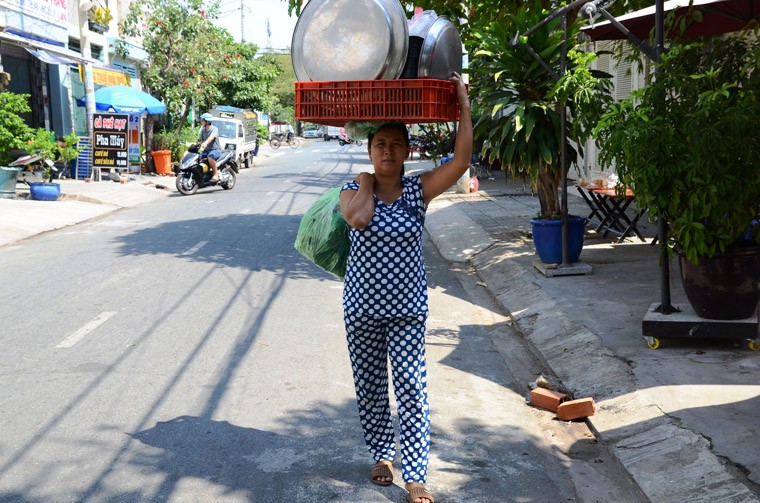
[(45, 191), (547, 238)]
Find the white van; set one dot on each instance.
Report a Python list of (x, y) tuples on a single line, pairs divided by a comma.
[(332, 133)]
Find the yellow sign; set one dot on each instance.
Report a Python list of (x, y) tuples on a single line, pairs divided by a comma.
[(107, 77)]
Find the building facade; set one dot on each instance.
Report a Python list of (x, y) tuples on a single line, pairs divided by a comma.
[(43, 54)]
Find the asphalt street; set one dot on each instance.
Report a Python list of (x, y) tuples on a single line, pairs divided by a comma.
[(171, 348)]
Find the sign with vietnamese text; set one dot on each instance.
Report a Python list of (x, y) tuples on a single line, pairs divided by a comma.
[(109, 143), (134, 139), (55, 9)]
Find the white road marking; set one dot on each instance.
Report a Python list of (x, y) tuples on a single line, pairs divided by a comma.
[(247, 210), (89, 327), (195, 248)]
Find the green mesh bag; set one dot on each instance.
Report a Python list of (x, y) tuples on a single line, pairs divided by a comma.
[(323, 234)]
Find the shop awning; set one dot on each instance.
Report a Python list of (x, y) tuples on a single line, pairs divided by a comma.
[(50, 58), (55, 50)]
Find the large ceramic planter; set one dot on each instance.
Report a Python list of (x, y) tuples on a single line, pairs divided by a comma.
[(725, 286), (547, 238), (8, 178), (45, 191)]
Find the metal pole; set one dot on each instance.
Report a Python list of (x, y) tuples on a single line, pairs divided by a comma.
[(665, 306), (563, 150), (89, 79)]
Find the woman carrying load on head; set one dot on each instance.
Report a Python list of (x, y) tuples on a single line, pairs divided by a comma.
[(385, 298)]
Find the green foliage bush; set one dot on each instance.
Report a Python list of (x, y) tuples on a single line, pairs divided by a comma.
[(262, 133), (176, 142), (688, 144), (14, 132)]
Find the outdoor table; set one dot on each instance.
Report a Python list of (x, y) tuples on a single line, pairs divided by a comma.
[(609, 208)]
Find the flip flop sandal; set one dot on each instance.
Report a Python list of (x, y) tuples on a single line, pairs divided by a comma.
[(381, 470), (419, 492)]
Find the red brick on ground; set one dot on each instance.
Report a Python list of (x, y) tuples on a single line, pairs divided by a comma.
[(574, 409), (547, 399)]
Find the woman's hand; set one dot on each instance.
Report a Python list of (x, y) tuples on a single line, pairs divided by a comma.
[(358, 206), (365, 178), (439, 180), (461, 89)]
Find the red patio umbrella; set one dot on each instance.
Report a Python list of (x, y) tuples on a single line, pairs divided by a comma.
[(718, 16)]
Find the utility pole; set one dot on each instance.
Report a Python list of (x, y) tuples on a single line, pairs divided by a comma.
[(89, 79), (242, 21)]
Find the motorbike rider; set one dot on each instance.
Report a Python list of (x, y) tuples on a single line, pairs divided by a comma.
[(209, 144)]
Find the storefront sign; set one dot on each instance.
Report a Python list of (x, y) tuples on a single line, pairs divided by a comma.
[(134, 139), (110, 142), (55, 9), (106, 77)]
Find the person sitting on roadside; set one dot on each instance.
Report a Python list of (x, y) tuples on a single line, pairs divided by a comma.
[(209, 144)]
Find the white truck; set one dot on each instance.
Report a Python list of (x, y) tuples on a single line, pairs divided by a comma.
[(237, 131), (332, 133)]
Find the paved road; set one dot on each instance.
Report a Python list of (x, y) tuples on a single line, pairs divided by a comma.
[(183, 351)]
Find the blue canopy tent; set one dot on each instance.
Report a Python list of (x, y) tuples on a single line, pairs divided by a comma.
[(125, 100)]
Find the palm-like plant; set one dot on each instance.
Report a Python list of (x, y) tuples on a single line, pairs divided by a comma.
[(522, 102)]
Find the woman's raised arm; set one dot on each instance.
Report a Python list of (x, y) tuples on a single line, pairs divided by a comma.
[(437, 181)]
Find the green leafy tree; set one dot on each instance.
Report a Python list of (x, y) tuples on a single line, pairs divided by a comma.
[(249, 79), (281, 104), (689, 144), (176, 35), (14, 132)]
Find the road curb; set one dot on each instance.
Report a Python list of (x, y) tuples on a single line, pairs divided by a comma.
[(670, 464)]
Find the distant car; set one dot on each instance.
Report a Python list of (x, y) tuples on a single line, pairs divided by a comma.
[(312, 133)]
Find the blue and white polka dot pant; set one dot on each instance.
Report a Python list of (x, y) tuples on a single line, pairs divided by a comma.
[(370, 342)]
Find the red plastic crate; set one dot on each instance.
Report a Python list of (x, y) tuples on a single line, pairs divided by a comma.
[(407, 100)]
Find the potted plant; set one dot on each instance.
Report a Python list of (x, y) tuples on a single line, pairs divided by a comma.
[(520, 125), (162, 152), (67, 150), (98, 18), (14, 133), (688, 144), (43, 144)]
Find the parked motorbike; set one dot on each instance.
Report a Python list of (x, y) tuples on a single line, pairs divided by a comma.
[(345, 140), (194, 172), (33, 167)]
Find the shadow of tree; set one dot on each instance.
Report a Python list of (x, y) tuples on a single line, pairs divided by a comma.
[(263, 243), (317, 458)]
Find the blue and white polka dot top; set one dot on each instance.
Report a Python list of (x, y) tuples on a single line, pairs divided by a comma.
[(385, 274)]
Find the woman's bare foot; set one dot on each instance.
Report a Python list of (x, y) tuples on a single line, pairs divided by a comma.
[(417, 493)]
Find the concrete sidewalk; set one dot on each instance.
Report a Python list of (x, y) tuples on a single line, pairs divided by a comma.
[(23, 217), (682, 420)]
